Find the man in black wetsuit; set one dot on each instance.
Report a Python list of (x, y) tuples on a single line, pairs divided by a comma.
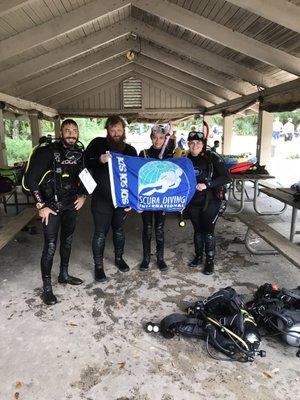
[(52, 178), (103, 210)]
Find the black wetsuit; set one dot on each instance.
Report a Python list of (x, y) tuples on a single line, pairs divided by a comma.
[(203, 209), (158, 217), (57, 193), (103, 210)]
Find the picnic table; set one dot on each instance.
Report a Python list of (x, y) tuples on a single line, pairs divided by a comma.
[(238, 185), (285, 195)]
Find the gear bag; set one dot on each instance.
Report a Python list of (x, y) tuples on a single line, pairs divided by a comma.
[(241, 167)]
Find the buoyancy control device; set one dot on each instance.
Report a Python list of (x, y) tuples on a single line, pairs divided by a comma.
[(54, 176), (278, 312), (222, 321)]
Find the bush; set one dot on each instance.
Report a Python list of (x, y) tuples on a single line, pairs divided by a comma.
[(17, 150), (293, 156)]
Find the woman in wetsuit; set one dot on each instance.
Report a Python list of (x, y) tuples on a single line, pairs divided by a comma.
[(203, 210), (158, 137)]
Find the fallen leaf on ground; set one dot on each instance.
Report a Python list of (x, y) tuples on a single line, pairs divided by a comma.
[(121, 364), (267, 374), (72, 324)]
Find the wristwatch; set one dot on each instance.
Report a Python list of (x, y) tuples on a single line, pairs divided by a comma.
[(39, 205)]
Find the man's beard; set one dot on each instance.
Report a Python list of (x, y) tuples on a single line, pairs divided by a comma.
[(117, 146), (69, 145)]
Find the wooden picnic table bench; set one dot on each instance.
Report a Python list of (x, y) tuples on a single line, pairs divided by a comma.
[(280, 243), (15, 224), (285, 195)]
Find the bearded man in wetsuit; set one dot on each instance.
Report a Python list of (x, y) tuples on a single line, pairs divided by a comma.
[(52, 178), (104, 213)]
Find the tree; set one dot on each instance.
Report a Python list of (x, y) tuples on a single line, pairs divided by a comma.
[(246, 125)]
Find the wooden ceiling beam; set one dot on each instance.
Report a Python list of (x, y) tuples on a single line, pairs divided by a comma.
[(79, 65), (220, 34), (191, 92), (7, 6), (122, 111), (220, 86), (199, 55), (279, 89), (179, 76), (26, 105), (57, 26), (78, 79), (281, 12), (64, 53), (86, 87), (85, 97)]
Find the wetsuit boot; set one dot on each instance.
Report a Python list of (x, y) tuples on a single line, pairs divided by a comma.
[(146, 247), (160, 243), (48, 296), (210, 244), (98, 250), (64, 277), (99, 272), (119, 242), (146, 259), (46, 266), (65, 251), (199, 246)]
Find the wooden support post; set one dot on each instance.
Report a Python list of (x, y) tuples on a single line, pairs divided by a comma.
[(35, 129), (264, 137), (57, 123), (3, 156), (227, 134)]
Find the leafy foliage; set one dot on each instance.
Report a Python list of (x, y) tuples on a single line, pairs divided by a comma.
[(246, 125), (18, 136), (17, 150)]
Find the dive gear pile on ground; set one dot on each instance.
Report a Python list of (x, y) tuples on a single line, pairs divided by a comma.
[(224, 322)]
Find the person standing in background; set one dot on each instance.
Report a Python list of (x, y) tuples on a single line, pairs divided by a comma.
[(288, 130), (277, 128)]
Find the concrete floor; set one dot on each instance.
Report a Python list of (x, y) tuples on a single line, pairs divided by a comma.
[(92, 345)]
